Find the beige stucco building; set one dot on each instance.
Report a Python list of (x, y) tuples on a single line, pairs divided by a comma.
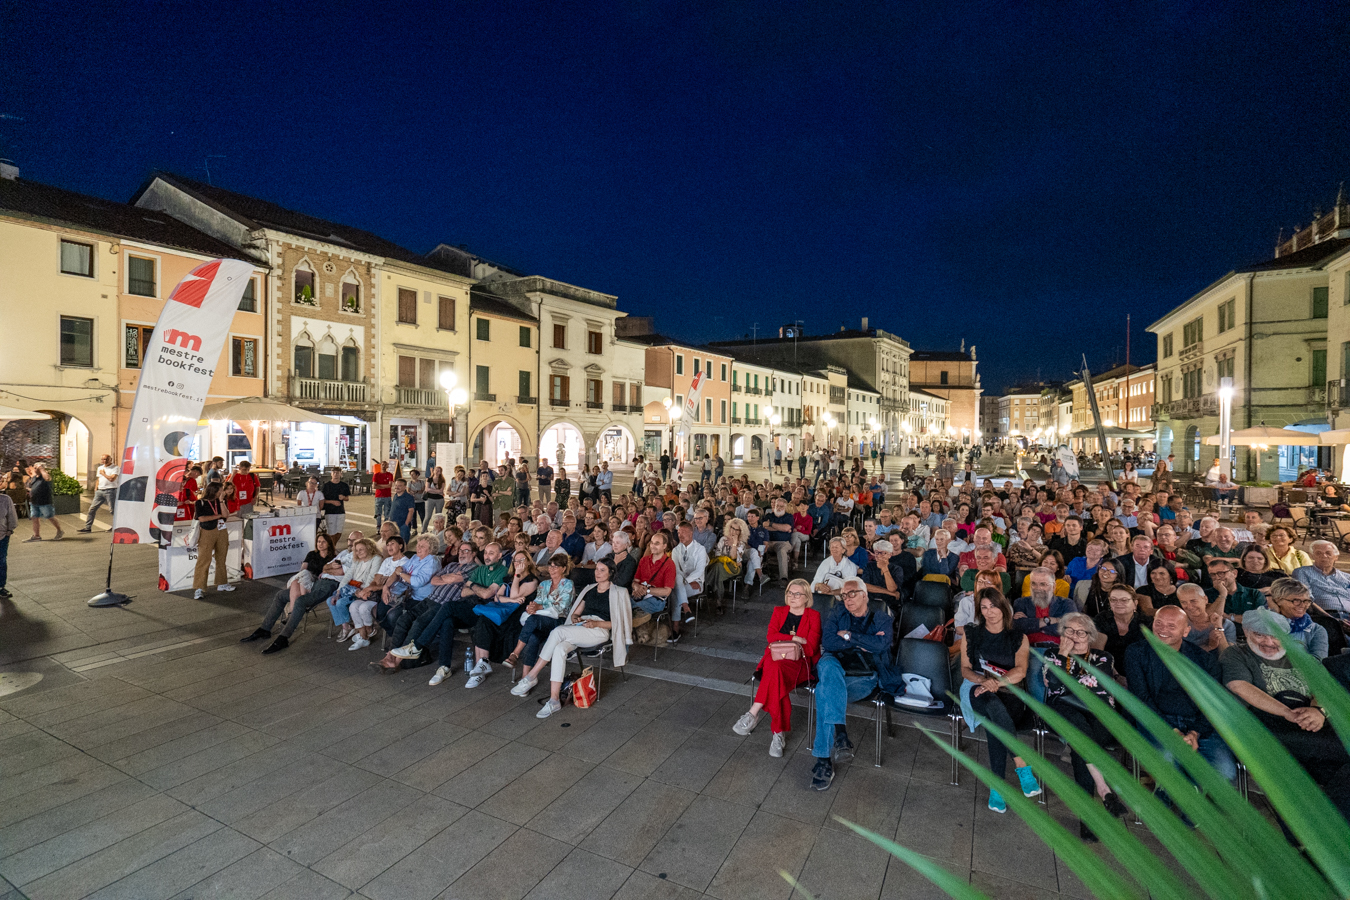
[(953, 376)]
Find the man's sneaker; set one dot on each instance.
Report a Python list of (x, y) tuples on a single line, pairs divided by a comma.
[(674, 638), (225, 587), (843, 748), (996, 803), (482, 667), (474, 680), (524, 685), (407, 651), (745, 724), (60, 536), (198, 594), (31, 539), (776, 745), (83, 530), (359, 644), (549, 708), (441, 674), (822, 774), (1028, 781)]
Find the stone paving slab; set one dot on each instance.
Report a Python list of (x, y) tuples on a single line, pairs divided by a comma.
[(157, 757)]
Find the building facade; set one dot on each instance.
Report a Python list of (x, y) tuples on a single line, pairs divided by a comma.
[(953, 376), (503, 414)]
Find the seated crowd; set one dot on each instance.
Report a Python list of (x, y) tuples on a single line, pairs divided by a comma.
[(1036, 576)]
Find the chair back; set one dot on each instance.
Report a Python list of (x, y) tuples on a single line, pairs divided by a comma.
[(929, 659), (932, 593), (912, 615), (1298, 497)]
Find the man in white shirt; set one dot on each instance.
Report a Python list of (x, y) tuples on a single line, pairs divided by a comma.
[(105, 493), (691, 564), (833, 571)]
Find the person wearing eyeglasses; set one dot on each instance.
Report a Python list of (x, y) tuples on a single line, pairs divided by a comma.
[(1075, 654), (1292, 599), (855, 645), (1091, 594), (796, 621)]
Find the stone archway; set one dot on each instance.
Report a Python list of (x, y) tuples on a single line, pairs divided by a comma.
[(1190, 449), (615, 444)]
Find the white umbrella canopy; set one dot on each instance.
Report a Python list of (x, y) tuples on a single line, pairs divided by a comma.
[(260, 409), (1266, 436), (1113, 431), (11, 413), (1337, 437)]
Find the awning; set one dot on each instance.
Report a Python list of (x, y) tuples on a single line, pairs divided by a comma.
[(260, 409), (1114, 431), (1266, 436), (12, 413)]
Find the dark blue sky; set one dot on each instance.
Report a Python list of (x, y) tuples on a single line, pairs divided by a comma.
[(1020, 176)]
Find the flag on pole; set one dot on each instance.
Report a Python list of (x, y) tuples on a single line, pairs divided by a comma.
[(691, 403), (176, 373)]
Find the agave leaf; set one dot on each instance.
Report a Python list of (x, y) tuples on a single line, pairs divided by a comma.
[(954, 885), (1279, 863), (1095, 874), (1327, 690), (1300, 803), (1145, 867), (796, 885)]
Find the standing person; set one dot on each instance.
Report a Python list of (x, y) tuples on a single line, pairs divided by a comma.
[(801, 463), (213, 540), (707, 468), (382, 482), (335, 494), (544, 476), (417, 487), (719, 466), (246, 487), (434, 502), (9, 522), (562, 488), (105, 493), (778, 458), (604, 483), (523, 483), (403, 510), (665, 464), (883, 459), (41, 502), (215, 471)]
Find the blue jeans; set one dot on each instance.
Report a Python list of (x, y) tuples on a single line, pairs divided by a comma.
[(1212, 748), (337, 606), (534, 632), (649, 604), (383, 506), (4, 560), (1035, 683), (834, 692)]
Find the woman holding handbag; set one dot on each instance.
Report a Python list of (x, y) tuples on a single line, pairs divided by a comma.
[(794, 647)]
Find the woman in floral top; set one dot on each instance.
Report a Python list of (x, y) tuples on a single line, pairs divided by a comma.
[(1077, 632)]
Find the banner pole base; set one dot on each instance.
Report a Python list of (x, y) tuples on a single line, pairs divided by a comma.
[(109, 598)]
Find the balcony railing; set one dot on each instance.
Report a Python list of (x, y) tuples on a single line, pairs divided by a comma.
[(619, 408), (484, 396), (752, 421), (418, 397), (753, 390), (594, 404), (736, 420), (735, 388), (556, 401), (1188, 408), (321, 390), (1338, 393), (527, 401)]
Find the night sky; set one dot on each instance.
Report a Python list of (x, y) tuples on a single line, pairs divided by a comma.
[(1019, 176)]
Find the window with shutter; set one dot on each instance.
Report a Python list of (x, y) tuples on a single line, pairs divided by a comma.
[(351, 364), (594, 344), (426, 374), (560, 337), (481, 382), (407, 306), (524, 385), (484, 330), (447, 314), (618, 393), (525, 336), (407, 372)]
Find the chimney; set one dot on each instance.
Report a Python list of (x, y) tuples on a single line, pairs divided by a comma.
[(8, 170), (864, 328)]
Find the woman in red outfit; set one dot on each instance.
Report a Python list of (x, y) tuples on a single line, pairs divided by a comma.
[(794, 622)]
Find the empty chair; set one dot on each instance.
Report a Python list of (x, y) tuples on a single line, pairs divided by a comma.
[(932, 593)]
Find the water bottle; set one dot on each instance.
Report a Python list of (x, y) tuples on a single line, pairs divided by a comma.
[(468, 659)]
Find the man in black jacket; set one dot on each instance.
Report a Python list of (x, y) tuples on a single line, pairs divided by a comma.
[(1150, 680)]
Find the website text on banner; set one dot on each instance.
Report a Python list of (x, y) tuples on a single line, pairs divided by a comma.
[(178, 365)]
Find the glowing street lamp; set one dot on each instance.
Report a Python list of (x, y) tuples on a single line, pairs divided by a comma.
[(1225, 423), (455, 396)]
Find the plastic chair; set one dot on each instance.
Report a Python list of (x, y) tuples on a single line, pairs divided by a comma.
[(931, 593)]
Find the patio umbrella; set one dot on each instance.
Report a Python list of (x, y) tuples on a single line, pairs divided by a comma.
[(11, 413), (1337, 437), (260, 409), (1266, 436), (1113, 431)]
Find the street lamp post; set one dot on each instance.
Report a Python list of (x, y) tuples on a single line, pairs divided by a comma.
[(774, 420), (455, 397), (1225, 425)]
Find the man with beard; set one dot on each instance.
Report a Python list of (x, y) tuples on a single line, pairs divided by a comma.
[(1262, 677)]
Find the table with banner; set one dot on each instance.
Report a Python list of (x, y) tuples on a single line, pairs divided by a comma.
[(260, 546)]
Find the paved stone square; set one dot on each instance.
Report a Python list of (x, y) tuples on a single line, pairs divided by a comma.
[(158, 757)]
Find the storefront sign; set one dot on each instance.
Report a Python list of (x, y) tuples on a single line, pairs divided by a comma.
[(277, 544)]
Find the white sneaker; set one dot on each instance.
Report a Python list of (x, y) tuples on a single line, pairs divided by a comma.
[(407, 651), (474, 681), (225, 587), (745, 724), (482, 667), (549, 708), (524, 685), (359, 644), (197, 595), (441, 674), (776, 745)]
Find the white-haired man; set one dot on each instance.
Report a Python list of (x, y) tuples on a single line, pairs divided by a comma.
[(1330, 586)]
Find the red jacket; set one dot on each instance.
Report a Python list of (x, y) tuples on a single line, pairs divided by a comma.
[(809, 630)]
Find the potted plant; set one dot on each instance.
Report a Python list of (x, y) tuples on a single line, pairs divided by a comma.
[(351, 304), (66, 492), (1259, 493), (305, 295)]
